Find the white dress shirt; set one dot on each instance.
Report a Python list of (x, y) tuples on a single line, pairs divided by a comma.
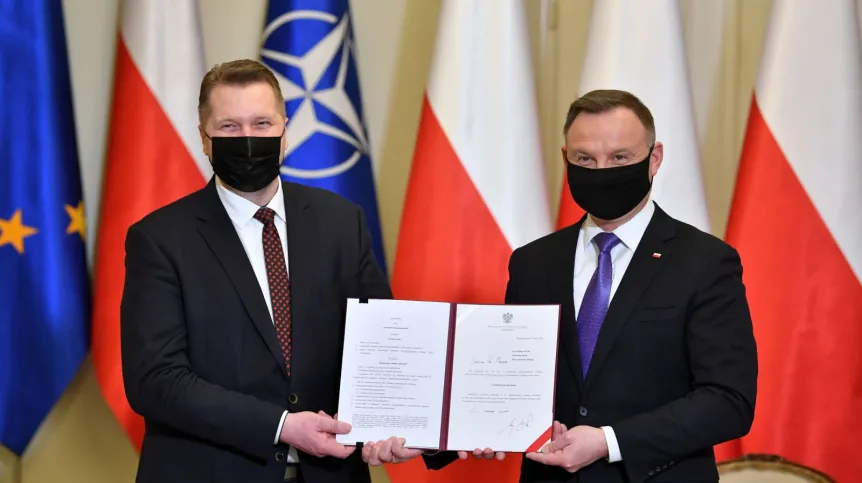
[(241, 212), (586, 262)]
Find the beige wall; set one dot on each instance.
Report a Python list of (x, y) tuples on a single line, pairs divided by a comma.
[(81, 443)]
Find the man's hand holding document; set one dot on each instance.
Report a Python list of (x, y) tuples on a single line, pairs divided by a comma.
[(433, 376)]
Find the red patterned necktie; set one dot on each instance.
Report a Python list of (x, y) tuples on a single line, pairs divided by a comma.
[(279, 283)]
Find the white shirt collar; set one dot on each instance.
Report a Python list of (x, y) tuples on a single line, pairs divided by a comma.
[(241, 211), (630, 232)]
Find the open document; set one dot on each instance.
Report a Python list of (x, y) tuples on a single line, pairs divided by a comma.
[(449, 376)]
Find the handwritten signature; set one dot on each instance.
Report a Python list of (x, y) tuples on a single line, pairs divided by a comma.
[(516, 424), (491, 359)]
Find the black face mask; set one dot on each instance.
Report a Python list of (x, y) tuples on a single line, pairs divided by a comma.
[(246, 163), (609, 193)]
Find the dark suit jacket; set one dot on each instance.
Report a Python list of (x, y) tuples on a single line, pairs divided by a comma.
[(674, 370), (201, 362)]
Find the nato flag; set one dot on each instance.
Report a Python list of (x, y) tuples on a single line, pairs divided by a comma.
[(44, 294), (309, 44)]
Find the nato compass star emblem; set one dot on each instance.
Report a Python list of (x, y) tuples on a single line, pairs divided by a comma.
[(318, 78)]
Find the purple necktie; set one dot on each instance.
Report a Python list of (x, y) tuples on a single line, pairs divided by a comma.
[(594, 306)]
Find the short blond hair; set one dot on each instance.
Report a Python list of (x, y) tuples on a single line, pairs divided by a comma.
[(237, 73)]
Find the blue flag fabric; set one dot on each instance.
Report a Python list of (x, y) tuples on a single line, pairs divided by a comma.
[(44, 284), (309, 44)]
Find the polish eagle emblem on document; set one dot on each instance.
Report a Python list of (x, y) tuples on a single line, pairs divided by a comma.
[(507, 318)]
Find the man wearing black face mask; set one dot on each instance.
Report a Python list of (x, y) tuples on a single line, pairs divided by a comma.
[(657, 359), (233, 308)]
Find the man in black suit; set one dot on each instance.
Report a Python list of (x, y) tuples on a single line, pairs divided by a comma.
[(657, 358), (232, 359)]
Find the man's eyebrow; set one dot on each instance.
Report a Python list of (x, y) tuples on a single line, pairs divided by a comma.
[(588, 152), (255, 118), (580, 151)]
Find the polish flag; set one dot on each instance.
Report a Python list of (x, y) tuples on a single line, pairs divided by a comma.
[(638, 46), (153, 158), (797, 223), (477, 188)]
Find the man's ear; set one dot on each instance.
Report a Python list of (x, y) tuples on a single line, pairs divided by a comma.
[(563, 152), (656, 158), (205, 141)]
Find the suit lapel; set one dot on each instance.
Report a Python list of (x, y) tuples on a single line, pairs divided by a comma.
[(640, 272), (561, 280), (219, 233), (301, 249)]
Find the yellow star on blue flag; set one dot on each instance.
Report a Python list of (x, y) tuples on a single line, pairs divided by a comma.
[(13, 232), (44, 291)]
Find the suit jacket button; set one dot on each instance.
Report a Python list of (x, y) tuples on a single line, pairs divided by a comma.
[(582, 410), (279, 457), (293, 399)]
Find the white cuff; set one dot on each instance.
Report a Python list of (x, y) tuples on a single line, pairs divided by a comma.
[(613, 447), (280, 424)]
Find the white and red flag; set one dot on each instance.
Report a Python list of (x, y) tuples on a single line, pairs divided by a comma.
[(477, 187), (796, 220), (154, 157)]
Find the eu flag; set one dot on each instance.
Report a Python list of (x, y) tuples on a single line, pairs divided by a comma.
[(309, 45), (44, 294)]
